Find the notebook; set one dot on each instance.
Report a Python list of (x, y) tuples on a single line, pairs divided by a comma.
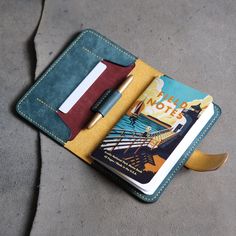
[(146, 143), (61, 100)]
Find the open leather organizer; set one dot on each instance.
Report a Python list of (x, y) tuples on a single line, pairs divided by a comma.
[(40, 104)]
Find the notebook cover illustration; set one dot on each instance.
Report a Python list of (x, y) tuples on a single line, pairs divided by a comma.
[(151, 129)]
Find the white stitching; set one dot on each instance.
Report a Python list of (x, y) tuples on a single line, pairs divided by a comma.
[(108, 42), (94, 54), (50, 69), (41, 127), (45, 104)]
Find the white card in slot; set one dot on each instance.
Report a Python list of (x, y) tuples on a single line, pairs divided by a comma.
[(83, 87)]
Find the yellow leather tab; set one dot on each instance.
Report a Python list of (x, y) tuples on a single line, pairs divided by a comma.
[(88, 139), (200, 161)]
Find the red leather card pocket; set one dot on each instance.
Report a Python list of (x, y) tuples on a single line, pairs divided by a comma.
[(80, 114)]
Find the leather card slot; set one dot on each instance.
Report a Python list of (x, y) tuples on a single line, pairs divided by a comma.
[(80, 114)]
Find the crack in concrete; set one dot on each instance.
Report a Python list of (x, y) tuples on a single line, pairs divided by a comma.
[(32, 56)]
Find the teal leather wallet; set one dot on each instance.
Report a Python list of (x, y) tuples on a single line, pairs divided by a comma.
[(40, 105)]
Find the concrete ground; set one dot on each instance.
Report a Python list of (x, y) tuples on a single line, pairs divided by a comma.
[(19, 148), (192, 41)]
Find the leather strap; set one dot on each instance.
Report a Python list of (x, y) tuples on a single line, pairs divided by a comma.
[(200, 161)]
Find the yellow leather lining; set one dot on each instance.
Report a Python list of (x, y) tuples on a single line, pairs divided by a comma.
[(88, 139)]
